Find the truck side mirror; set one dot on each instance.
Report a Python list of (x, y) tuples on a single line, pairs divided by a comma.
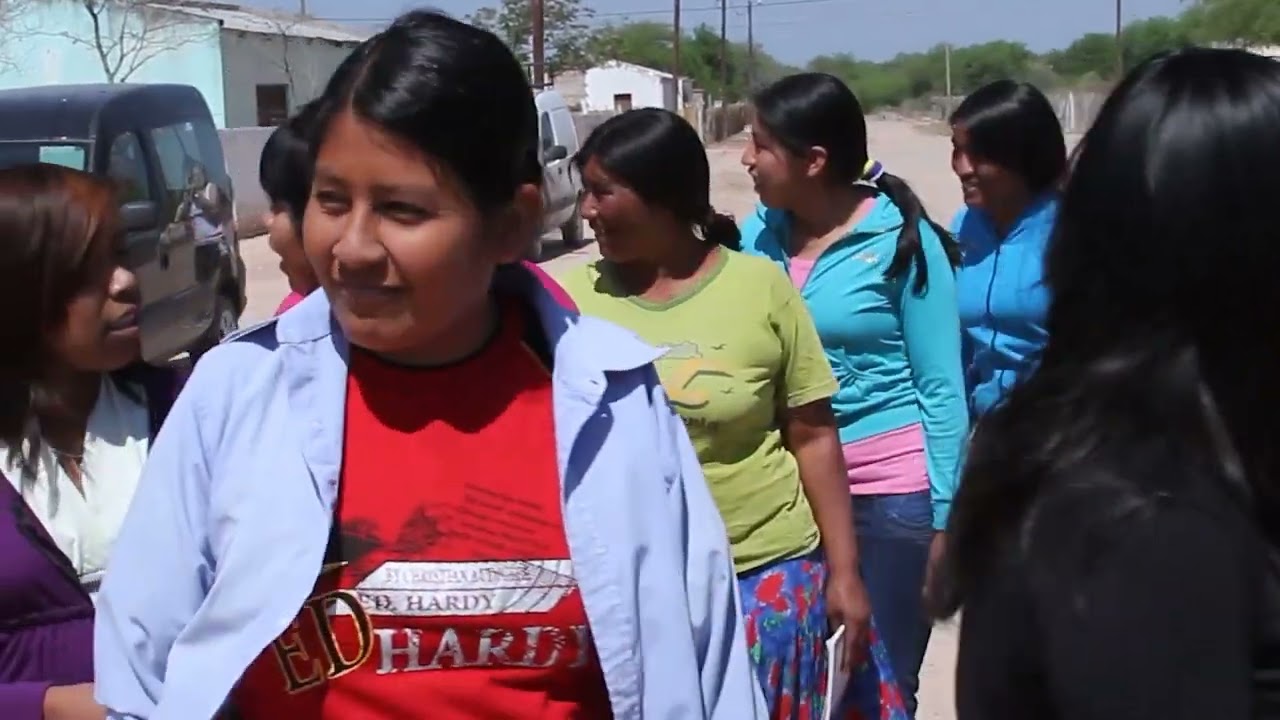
[(139, 215), (554, 153)]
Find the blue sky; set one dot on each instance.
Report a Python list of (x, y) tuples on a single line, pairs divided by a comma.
[(796, 30)]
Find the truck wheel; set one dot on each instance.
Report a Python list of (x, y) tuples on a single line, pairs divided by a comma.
[(572, 232), (225, 322)]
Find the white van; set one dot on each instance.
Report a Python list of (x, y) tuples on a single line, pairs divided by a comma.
[(561, 182)]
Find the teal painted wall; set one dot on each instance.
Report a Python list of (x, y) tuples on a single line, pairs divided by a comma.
[(51, 42)]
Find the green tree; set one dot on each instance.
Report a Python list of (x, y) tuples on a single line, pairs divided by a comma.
[(564, 26), (642, 43), (1236, 21), (1089, 53), (976, 65), (1145, 38), (1089, 60), (650, 44)]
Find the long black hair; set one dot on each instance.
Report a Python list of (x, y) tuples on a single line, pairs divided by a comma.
[(454, 91), (809, 110), (660, 157), (1014, 125), (1159, 376), (285, 167)]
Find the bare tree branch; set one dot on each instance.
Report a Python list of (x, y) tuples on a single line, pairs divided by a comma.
[(127, 34), (285, 31), (11, 13)]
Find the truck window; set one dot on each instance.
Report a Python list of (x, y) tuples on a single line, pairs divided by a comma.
[(546, 133), (127, 167), (180, 163), (209, 146)]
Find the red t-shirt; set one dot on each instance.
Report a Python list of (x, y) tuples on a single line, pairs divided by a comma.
[(447, 592), (293, 298)]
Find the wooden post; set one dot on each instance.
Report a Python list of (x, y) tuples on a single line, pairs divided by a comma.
[(675, 43), (539, 44)]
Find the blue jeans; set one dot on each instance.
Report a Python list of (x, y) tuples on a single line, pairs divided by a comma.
[(894, 532)]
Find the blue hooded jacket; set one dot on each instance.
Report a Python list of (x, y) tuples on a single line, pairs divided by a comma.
[(895, 352), (1002, 298)]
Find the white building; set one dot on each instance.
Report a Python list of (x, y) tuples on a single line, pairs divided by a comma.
[(619, 86), (1267, 51), (273, 63)]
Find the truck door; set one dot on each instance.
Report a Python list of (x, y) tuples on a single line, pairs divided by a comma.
[(127, 167)]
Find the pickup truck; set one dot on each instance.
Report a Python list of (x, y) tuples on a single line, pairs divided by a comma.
[(158, 143), (562, 184)]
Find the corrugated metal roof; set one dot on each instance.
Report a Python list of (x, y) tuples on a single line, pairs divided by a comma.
[(264, 22)]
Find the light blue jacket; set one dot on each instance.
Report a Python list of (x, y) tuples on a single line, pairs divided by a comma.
[(1003, 299), (226, 535), (895, 353)]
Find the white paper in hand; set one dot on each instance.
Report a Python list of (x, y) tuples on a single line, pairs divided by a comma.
[(837, 679)]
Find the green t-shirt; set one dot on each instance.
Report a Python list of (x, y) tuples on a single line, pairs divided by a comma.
[(741, 347)]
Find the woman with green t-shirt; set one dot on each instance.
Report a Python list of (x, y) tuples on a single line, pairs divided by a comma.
[(745, 370)]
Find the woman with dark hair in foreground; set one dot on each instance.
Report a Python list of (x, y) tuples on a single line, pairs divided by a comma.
[(1114, 539)]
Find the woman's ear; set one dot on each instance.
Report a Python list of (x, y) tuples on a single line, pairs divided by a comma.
[(520, 224), (815, 162)]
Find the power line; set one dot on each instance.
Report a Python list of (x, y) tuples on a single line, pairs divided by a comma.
[(628, 13)]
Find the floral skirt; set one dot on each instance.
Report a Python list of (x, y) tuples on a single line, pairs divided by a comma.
[(786, 623)]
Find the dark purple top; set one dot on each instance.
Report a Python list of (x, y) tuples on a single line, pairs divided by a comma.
[(46, 618)]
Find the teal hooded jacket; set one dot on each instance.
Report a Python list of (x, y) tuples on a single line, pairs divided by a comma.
[(895, 352)]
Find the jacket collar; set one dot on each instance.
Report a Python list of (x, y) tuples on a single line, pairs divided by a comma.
[(586, 351), (885, 217), (1039, 216)]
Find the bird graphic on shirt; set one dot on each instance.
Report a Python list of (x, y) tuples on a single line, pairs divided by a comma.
[(685, 367)]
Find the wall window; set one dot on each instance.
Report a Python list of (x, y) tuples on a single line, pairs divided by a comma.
[(273, 105), (622, 102)]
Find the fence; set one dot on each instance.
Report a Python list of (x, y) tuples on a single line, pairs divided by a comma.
[(1076, 108)]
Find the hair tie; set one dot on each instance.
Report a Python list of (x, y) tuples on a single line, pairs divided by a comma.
[(871, 172)]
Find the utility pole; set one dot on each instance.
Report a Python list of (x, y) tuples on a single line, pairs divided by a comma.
[(751, 46), (675, 43), (1119, 44), (302, 7), (539, 43), (724, 51), (946, 54)]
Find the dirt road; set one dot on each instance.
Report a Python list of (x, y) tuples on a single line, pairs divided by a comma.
[(908, 150)]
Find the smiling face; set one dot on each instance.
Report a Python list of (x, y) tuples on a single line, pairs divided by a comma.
[(985, 184), (776, 173), (618, 216), (99, 331), (405, 256)]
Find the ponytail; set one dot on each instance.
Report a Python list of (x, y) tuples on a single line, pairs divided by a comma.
[(910, 246), (722, 230)]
